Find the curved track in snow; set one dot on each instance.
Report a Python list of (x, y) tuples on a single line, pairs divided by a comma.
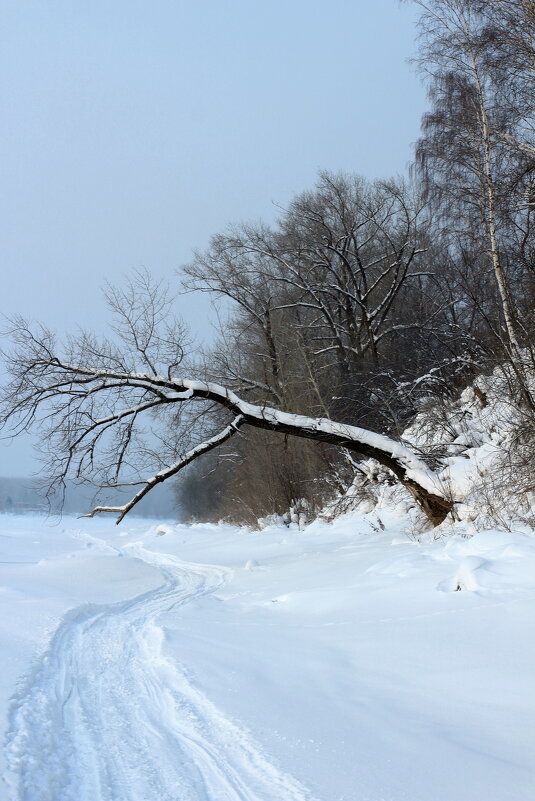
[(108, 717)]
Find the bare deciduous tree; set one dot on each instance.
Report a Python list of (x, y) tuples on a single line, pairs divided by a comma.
[(109, 411), (475, 152)]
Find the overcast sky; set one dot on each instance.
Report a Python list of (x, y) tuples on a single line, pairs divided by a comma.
[(133, 130)]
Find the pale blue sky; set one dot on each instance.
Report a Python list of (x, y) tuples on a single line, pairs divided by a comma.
[(131, 131)]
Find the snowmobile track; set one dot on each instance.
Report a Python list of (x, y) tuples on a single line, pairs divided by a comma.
[(107, 716)]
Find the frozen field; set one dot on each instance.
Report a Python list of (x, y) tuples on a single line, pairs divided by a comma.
[(167, 663)]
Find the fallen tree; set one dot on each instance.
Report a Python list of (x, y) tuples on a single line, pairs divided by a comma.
[(117, 413), (69, 398)]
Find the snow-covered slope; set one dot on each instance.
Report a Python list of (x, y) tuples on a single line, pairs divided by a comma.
[(345, 662), (485, 443), (481, 446)]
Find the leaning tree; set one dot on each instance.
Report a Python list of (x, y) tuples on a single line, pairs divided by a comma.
[(120, 413)]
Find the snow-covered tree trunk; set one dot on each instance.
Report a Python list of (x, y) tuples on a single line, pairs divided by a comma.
[(411, 471)]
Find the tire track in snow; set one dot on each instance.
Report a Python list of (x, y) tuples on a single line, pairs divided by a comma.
[(108, 717)]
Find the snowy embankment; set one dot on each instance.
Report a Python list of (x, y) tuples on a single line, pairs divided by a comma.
[(343, 662)]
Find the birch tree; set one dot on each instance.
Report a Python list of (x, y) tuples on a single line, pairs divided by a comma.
[(466, 153)]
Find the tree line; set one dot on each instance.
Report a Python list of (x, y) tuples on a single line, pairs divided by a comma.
[(368, 296)]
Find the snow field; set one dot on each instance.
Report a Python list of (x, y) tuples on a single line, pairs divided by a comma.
[(210, 663)]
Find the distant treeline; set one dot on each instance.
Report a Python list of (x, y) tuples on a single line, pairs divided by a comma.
[(23, 496)]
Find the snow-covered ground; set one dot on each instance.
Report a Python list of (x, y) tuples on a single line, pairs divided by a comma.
[(344, 662)]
